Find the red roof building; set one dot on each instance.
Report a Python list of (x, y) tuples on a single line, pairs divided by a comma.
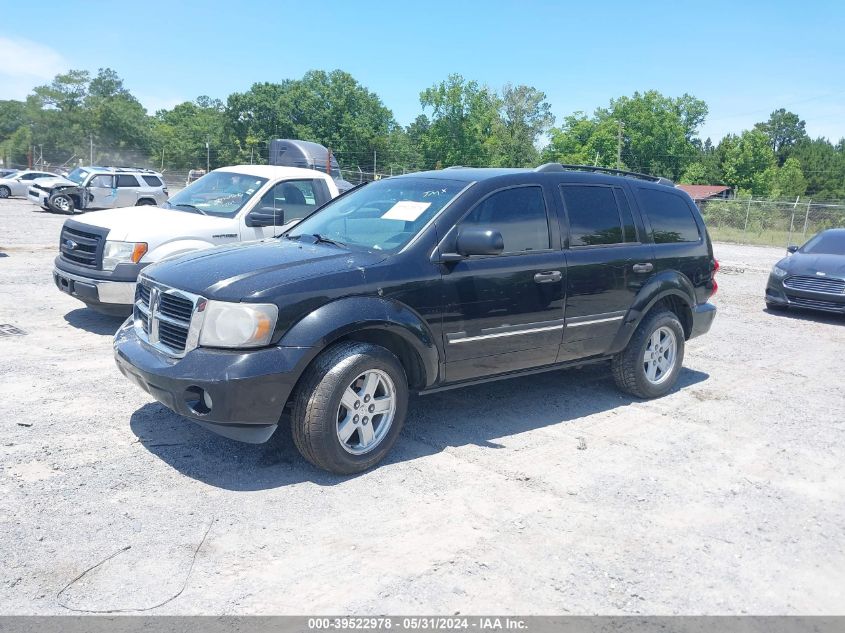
[(706, 192)]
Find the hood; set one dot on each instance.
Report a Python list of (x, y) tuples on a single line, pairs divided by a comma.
[(246, 270), (139, 224), (809, 264), (55, 181)]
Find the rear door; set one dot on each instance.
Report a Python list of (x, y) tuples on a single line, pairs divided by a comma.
[(127, 190), (608, 259), (678, 233), (505, 312)]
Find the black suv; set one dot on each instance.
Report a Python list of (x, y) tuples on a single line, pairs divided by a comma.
[(420, 283)]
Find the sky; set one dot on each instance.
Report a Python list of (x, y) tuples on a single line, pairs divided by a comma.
[(744, 59)]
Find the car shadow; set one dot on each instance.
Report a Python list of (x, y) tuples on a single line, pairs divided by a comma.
[(469, 416), (800, 314), (94, 322)]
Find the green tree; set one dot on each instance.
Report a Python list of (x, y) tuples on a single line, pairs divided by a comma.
[(181, 134), (525, 116), (746, 159), (784, 130), (464, 120), (789, 181), (823, 165)]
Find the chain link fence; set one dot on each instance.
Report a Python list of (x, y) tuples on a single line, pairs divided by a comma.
[(769, 222)]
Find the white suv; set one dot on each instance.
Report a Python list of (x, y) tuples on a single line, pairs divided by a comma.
[(101, 257), (99, 188)]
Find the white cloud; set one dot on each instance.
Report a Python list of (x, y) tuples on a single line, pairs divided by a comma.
[(26, 65)]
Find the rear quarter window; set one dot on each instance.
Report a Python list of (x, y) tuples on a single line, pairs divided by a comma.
[(152, 181), (670, 215)]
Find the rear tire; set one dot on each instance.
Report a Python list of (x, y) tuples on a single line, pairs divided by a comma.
[(145, 202), (349, 407), (5, 192), (650, 365)]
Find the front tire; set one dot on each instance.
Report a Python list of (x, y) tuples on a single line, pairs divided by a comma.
[(650, 365), (350, 407), (5, 192), (62, 203)]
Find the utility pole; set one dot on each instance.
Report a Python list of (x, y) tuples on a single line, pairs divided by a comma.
[(91, 138), (208, 156), (619, 145), (374, 164)]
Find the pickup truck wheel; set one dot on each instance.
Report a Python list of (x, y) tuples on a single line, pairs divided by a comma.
[(62, 203), (5, 192), (649, 366), (350, 407)]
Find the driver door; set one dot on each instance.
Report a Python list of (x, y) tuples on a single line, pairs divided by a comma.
[(285, 202), (102, 189)]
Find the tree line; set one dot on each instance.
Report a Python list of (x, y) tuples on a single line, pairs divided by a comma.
[(462, 122)]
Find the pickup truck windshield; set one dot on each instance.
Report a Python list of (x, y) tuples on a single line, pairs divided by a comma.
[(383, 216), (220, 193)]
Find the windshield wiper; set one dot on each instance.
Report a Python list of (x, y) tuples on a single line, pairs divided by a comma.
[(326, 240), (189, 206)]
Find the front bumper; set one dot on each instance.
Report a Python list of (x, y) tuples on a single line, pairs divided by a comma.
[(778, 295), (237, 394), (38, 197), (97, 291), (702, 318)]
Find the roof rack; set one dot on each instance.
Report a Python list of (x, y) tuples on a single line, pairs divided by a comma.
[(455, 167), (128, 169), (551, 167)]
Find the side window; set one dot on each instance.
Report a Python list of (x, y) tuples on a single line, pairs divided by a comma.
[(292, 199), (125, 180), (29, 176), (102, 180), (152, 181), (593, 215), (519, 214), (670, 215)]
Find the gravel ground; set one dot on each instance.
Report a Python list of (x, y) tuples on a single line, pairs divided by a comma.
[(724, 497)]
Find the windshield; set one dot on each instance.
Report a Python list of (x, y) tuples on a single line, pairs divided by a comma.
[(78, 175), (381, 216), (220, 193), (827, 243)]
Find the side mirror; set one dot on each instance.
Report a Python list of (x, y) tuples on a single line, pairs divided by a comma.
[(791, 249), (479, 241), (265, 217)]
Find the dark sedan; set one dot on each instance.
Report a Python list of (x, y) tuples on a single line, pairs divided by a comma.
[(812, 277)]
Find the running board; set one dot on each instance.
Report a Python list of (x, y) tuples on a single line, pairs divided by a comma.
[(572, 364)]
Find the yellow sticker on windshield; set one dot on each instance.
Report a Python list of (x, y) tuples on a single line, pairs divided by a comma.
[(406, 210)]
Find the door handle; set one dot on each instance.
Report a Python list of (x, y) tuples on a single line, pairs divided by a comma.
[(548, 277), (643, 268)]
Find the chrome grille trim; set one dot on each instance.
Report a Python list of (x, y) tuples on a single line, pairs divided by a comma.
[(148, 318), (823, 285)]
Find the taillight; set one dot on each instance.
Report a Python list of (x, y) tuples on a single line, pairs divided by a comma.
[(714, 283)]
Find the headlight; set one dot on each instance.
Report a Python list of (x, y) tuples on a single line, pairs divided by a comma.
[(238, 324), (116, 253), (778, 272)]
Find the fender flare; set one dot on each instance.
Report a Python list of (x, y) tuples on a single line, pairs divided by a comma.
[(353, 315), (664, 284)]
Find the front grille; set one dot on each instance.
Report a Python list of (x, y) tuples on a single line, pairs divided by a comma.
[(167, 318), (80, 246), (815, 284), (816, 304)]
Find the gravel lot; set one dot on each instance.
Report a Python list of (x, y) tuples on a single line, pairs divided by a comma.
[(725, 497)]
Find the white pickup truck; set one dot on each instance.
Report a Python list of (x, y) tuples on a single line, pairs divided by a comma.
[(100, 257)]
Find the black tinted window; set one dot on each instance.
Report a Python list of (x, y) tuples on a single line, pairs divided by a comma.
[(152, 181), (670, 215), (125, 180), (827, 243), (593, 215), (519, 215), (291, 199)]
